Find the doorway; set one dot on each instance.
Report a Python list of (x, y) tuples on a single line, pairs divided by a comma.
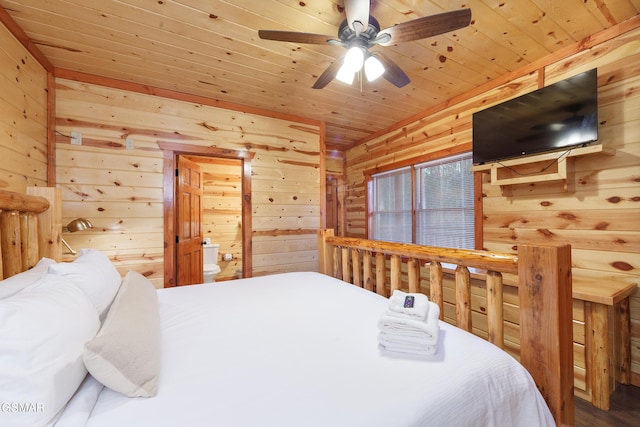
[(171, 152), (221, 211)]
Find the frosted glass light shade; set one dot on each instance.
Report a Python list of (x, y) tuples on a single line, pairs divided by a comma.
[(354, 59), (373, 68), (345, 75)]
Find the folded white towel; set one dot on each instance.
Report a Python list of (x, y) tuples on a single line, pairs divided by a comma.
[(403, 351), (411, 330), (410, 305)]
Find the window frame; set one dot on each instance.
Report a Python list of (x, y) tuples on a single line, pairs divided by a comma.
[(442, 154)]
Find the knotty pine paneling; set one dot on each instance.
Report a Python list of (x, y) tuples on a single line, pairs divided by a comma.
[(599, 214), (120, 190), (23, 116)]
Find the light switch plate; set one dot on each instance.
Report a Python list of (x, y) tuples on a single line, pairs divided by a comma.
[(129, 144)]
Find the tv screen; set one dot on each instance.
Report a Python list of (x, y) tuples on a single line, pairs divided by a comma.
[(556, 117)]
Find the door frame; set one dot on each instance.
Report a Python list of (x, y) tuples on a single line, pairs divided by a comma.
[(171, 151)]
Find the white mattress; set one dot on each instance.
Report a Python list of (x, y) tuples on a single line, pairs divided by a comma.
[(300, 349)]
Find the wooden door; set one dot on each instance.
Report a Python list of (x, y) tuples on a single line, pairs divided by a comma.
[(189, 223)]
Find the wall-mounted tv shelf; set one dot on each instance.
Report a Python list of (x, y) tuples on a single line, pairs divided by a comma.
[(555, 166)]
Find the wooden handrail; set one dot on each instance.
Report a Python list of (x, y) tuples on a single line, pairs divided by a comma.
[(12, 201), (483, 260)]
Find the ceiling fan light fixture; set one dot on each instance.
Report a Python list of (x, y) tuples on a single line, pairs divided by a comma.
[(354, 59), (345, 75), (373, 68)]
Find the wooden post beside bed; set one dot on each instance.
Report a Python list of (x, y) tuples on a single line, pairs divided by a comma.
[(544, 292), (30, 228)]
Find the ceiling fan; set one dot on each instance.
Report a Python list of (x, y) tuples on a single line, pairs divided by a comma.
[(360, 31)]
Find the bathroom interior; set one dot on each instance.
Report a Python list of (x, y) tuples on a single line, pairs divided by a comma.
[(221, 217)]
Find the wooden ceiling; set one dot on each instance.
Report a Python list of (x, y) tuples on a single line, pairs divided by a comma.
[(211, 48)]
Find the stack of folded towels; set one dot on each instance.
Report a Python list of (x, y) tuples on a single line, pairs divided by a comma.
[(409, 325)]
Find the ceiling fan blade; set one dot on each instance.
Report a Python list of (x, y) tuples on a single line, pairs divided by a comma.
[(295, 37), (427, 26), (392, 72), (328, 75), (357, 11)]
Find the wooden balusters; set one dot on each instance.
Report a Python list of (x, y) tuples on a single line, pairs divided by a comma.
[(495, 315), (396, 272), (336, 263), (435, 278), (367, 270), (356, 268), (380, 274), (414, 275), (463, 298), (346, 273)]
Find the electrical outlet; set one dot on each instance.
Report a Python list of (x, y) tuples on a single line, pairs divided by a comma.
[(76, 138), (129, 144)]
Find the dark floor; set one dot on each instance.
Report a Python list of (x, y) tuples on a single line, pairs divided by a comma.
[(625, 410)]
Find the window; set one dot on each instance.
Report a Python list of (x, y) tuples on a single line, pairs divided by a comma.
[(430, 203), (444, 203), (390, 206)]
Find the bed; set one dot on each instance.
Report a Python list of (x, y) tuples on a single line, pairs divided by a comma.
[(289, 349)]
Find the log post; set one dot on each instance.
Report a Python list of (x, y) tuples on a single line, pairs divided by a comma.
[(356, 268), (367, 271), (544, 289), (623, 313), (396, 272), (325, 251), (381, 273), (29, 240), (49, 222), (11, 246), (495, 315), (414, 275), (463, 298), (435, 286), (346, 272)]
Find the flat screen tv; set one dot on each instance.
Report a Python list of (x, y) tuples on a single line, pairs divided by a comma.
[(557, 117)]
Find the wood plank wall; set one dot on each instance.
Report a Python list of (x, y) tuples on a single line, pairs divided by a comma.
[(120, 190), (599, 215), (23, 116)]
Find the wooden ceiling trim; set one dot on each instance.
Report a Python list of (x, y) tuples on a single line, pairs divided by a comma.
[(180, 96), (439, 154), (192, 149), (565, 52), (24, 39)]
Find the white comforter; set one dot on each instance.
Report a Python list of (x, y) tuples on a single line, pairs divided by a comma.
[(300, 349)]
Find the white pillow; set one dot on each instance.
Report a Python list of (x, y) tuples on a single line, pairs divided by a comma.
[(125, 354), (43, 330), (15, 284), (95, 274)]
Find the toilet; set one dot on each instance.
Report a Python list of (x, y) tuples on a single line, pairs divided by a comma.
[(210, 261)]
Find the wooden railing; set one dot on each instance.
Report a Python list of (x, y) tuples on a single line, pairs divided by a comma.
[(544, 293)]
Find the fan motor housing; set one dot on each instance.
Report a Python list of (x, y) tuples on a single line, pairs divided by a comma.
[(347, 35)]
